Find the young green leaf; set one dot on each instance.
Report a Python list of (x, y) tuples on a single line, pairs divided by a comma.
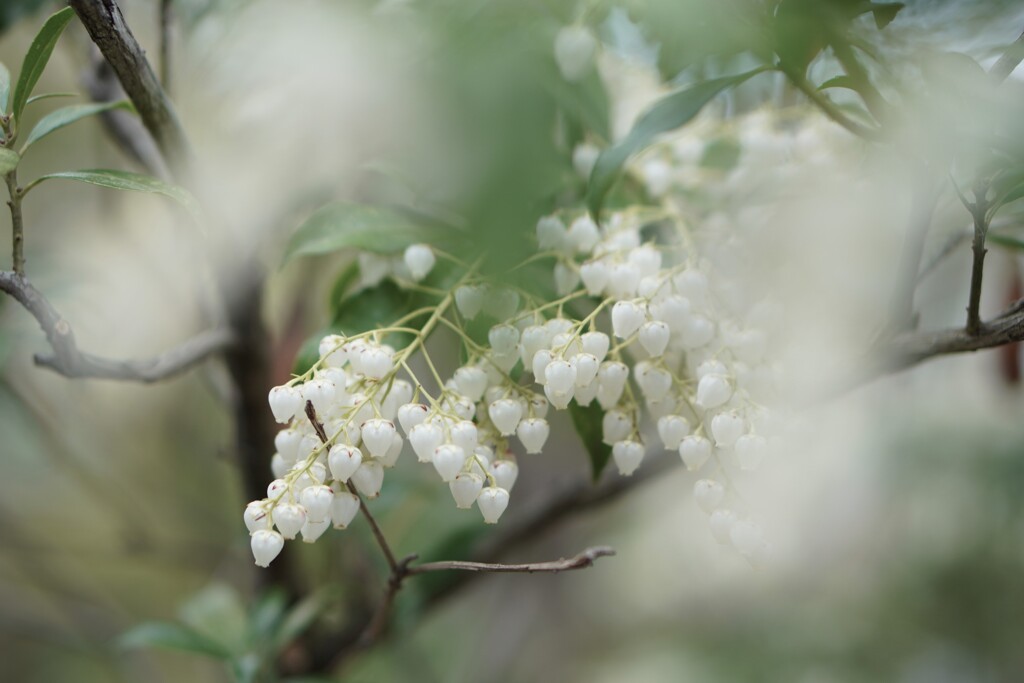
[(37, 56), (885, 12), (670, 112), (303, 614), (8, 160), (65, 116), (344, 225), (5, 87), (124, 180), (50, 95), (172, 637), (587, 421), (1007, 241)]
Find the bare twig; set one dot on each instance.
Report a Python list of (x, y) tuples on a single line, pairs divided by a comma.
[(17, 222), (69, 361), (1009, 61), (979, 213), (107, 28), (580, 561), (166, 21)]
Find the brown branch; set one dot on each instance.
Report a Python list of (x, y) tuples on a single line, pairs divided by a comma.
[(166, 21), (69, 361), (580, 561), (979, 211), (108, 30)]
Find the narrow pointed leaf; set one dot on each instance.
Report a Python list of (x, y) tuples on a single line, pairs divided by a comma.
[(65, 116), (670, 112), (172, 637), (50, 95), (37, 56), (125, 180)]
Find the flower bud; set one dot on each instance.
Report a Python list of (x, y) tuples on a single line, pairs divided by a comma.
[(412, 414), (673, 310), (289, 518), (727, 428), (559, 399), (626, 318), (376, 362), (709, 494), (551, 234), (695, 450), (313, 530), (653, 337), (471, 382), (505, 414), (419, 259), (492, 501), (560, 376), (654, 382), (369, 478), (331, 350), (317, 501), (583, 234), (256, 517), (279, 466), (505, 472), (595, 276), (533, 433), (615, 426), (266, 545), (586, 366), (465, 488), (623, 281), (698, 331), (627, 455), (344, 461), (424, 438), (541, 360), (394, 451), (448, 460), (713, 391), (285, 403), (672, 429), (469, 299), (596, 344), (344, 508), (503, 339), (321, 393), (377, 436)]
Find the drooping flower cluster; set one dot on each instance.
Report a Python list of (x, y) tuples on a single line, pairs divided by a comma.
[(653, 347)]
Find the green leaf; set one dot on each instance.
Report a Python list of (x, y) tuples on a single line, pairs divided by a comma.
[(8, 160), (670, 112), (125, 180), (50, 95), (841, 81), (345, 225), (721, 154), (172, 637), (1007, 241), (267, 614), (587, 420), (346, 278), (5, 87), (65, 116), (302, 616), (37, 56), (885, 12), (217, 614)]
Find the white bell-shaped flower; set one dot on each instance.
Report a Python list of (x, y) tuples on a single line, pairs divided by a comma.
[(376, 362), (424, 438), (344, 461), (727, 428), (286, 442), (586, 366), (377, 436), (627, 317), (420, 260), (596, 344), (471, 382), (654, 336), (317, 501), (533, 433), (369, 478), (672, 429), (448, 460), (344, 508), (289, 518), (256, 516), (713, 391), (469, 299), (560, 376), (575, 47), (616, 425), (505, 414), (465, 488), (465, 435), (627, 455), (492, 502), (595, 276), (709, 494), (285, 403), (266, 545), (551, 234), (583, 234), (695, 450), (394, 451), (311, 530), (505, 472)]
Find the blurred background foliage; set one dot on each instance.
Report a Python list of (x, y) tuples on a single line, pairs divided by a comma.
[(901, 548)]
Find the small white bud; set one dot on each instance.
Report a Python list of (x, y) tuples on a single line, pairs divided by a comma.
[(424, 438), (469, 299), (286, 442), (448, 460), (750, 451), (627, 317), (646, 259), (584, 156), (533, 433), (672, 429), (331, 352), (559, 399), (344, 508), (586, 367), (567, 278), (654, 382), (465, 435), (709, 494), (289, 518), (471, 382), (711, 367), (344, 461), (653, 337), (721, 523), (279, 466), (596, 344), (317, 501), (627, 455), (539, 406), (278, 490), (465, 488), (285, 403), (321, 393), (595, 276), (503, 339), (583, 234), (492, 501), (560, 376), (505, 472), (534, 338), (615, 426), (673, 310), (256, 517), (394, 451), (376, 362), (727, 428), (695, 450), (419, 259), (586, 394), (505, 414), (574, 51), (266, 545), (412, 414), (623, 280), (369, 478), (551, 234), (713, 391), (313, 530), (377, 436)]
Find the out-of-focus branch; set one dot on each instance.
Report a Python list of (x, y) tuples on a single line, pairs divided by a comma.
[(580, 561), (69, 361), (166, 21), (1009, 61), (108, 30)]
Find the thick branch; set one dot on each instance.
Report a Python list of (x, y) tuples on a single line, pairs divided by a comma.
[(107, 28), (69, 361), (17, 223)]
